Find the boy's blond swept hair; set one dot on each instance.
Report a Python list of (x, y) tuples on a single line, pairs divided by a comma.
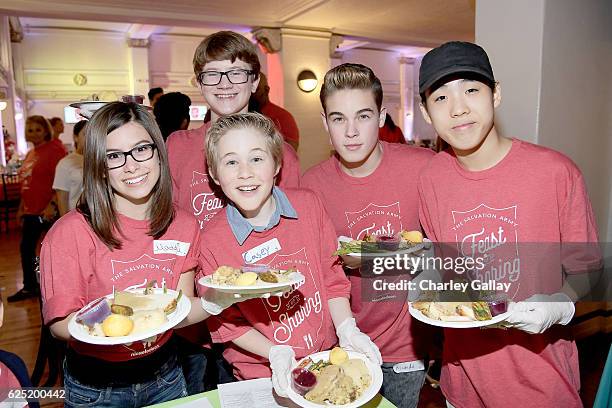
[(351, 76), (252, 121), (226, 45)]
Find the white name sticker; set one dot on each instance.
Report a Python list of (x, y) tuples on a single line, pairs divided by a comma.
[(170, 246), (409, 366), (261, 251)]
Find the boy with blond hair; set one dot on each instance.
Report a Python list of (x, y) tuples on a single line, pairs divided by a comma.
[(369, 187), (283, 229)]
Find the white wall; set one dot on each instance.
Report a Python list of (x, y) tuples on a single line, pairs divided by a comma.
[(553, 60), (52, 57), (576, 103), (511, 33)]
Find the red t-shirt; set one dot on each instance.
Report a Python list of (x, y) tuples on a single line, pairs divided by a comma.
[(9, 382), (37, 174), (300, 318), (77, 267), (193, 190), (392, 136), (385, 202), (534, 195), (284, 121)]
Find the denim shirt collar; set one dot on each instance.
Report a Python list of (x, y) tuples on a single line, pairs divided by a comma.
[(241, 228)]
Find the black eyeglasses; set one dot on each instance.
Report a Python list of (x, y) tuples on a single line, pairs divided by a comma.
[(140, 153), (235, 76)]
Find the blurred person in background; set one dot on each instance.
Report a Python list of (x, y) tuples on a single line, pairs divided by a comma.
[(68, 181), (37, 209), (154, 94), (282, 118), (172, 113), (390, 132), (57, 126)]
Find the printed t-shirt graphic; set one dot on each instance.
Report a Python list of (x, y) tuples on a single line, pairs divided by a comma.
[(533, 199), (384, 202)]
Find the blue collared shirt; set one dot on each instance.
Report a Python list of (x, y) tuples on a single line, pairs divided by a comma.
[(241, 228)]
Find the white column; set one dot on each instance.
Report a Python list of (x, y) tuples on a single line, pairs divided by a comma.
[(406, 113), (306, 50), (138, 65)]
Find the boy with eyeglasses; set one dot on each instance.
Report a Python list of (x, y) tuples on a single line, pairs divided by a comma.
[(227, 70)]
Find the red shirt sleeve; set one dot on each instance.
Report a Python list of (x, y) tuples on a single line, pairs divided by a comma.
[(580, 248), (62, 274), (289, 175)]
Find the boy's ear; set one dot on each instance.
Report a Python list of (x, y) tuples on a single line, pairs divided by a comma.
[(212, 176), (254, 84), (324, 118), (383, 116), (497, 95), (424, 113)]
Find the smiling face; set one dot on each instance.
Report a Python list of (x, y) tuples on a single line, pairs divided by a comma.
[(226, 98), (245, 171), (352, 121), (462, 112), (132, 183), (35, 133)]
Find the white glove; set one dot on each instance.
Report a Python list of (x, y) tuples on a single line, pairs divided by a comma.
[(214, 301), (351, 338), (282, 362), (537, 313)]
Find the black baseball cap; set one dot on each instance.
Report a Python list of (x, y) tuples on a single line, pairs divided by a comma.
[(453, 57)]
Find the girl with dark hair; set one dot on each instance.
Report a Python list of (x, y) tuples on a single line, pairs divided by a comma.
[(124, 234)]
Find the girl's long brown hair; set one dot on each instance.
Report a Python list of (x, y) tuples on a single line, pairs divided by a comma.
[(96, 202)]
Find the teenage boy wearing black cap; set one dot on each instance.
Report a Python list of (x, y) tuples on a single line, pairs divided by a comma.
[(488, 195)]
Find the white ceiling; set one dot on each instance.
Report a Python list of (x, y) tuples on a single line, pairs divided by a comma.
[(396, 24)]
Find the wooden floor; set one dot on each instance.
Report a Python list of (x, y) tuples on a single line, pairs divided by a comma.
[(21, 330)]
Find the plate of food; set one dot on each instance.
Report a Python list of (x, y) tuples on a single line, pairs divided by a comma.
[(461, 315), (337, 378), (252, 279), (127, 316), (406, 242)]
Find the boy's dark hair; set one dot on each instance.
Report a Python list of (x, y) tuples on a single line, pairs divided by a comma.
[(351, 76), (79, 126), (226, 45), (154, 91), (170, 111), (55, 120)]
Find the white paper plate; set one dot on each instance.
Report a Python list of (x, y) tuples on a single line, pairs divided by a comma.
[(81, 333), (415, 248), (417, 314), (375, 373), (295, 278)]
